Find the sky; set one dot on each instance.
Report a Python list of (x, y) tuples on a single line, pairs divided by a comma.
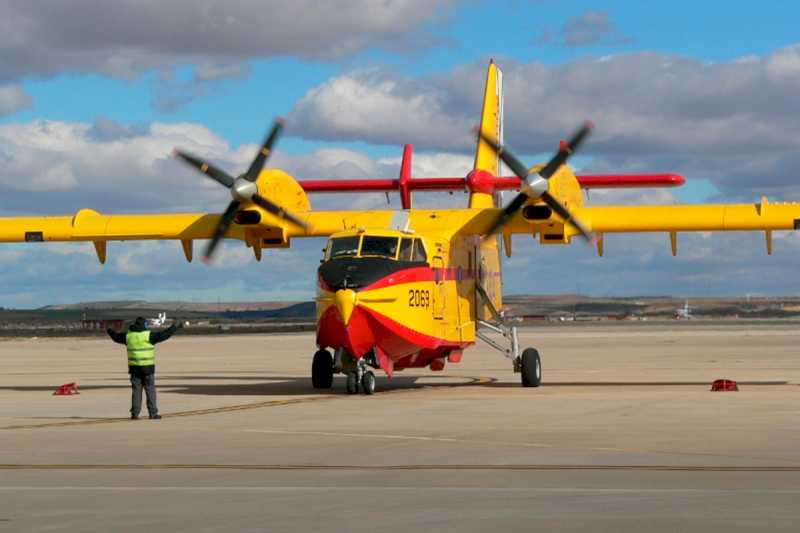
[(94, 96)]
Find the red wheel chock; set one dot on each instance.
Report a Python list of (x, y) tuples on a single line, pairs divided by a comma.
[(67, 389), (725, 385)]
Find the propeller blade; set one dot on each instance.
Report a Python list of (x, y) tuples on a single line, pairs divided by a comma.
[(220, 176), (516, 166), (258, 163), (565, 151), (562, 211), (277, 210), (508, 212), (221, 229)]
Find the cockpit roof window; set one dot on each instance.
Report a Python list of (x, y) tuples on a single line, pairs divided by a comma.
[(344, 247), (376, 246), (419, 251)]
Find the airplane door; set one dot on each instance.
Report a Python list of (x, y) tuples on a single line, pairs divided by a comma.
[(438, 287)]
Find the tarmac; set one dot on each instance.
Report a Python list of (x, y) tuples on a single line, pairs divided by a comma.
[(623, 435)]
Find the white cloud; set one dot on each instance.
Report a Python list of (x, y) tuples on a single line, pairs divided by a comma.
[(591, 28), (374, 106), (13, 98), (734, 122), (123, 39)]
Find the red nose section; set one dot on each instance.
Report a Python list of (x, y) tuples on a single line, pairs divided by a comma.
[(367, 329)]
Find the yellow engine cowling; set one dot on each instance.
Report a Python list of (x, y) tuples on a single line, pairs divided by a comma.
[(282, 189), (565, 188)]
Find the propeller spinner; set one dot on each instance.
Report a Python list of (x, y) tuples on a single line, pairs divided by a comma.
[(534, 185), (243, 188)]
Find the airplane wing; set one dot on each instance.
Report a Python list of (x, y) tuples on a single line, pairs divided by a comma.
[(672, 219), (702, 217), (269, 231)]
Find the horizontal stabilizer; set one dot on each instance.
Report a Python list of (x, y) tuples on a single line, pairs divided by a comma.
[(499, 183)]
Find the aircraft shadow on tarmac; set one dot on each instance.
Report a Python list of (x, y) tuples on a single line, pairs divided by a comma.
[(294, 385), (258, 386)]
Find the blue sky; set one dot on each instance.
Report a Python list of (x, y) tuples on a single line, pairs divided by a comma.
[(706, 89)]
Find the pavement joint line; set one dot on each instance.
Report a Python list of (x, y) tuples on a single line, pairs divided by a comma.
[(395, 437), (255, 405), (414, 467), (373, 488)]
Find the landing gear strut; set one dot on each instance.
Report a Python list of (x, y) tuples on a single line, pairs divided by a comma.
[(528, 363)]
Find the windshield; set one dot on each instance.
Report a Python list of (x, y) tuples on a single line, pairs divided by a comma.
[(379, 246), (343, 247)]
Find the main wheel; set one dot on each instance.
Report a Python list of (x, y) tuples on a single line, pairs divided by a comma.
[(368, 383), (352, 383), (322, 370), (531, 369)]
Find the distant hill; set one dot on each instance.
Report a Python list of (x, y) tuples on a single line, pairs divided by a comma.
[(169, 306), (298, 310)]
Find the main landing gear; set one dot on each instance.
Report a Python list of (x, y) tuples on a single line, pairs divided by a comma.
[(357, 373), (322, 370), (528, 363)]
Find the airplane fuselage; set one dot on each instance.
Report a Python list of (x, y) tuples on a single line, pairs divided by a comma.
[(403, 299)]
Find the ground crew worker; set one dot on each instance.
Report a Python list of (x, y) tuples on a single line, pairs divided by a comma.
[(142, 363)]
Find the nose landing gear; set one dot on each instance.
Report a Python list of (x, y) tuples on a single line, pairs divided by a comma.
[(357, 372)]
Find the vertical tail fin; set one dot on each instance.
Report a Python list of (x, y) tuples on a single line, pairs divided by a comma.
[(491, 125), (486, 158)]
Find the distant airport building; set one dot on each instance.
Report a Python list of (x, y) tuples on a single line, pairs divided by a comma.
[(102, 324)]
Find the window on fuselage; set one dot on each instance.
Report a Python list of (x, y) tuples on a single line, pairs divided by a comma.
[(406, 249), (419, 251), (343, 247), (374, 246)]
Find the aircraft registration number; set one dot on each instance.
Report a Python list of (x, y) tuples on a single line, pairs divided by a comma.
[(418, 298)]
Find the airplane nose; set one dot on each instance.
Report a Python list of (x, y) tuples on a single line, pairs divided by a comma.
[(345, 302)]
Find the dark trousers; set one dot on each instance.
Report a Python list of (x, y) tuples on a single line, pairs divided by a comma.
[(148, 381)]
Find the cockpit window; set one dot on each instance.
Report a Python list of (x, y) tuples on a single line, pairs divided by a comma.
[(406, 248), (343, 247), (419, 251), (379, 246)]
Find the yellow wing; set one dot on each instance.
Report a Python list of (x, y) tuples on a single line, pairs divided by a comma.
[(702, 217), (671, 219)]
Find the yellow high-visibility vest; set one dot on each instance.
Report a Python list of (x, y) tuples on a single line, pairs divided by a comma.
[(140, 351)]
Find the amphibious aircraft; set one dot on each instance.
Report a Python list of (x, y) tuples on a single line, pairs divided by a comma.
[(412, 287)]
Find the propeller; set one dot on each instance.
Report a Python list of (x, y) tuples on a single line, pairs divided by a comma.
[(243, 188), (535, 184)]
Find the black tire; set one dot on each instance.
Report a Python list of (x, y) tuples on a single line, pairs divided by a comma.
[(352, 383), (368, 383), (322, 370), (531, 368)]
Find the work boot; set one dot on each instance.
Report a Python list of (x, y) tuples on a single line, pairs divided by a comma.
[(155, 417)]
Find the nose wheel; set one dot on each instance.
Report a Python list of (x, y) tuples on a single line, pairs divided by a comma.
[(352, 383), (368, 383), (358, 376)]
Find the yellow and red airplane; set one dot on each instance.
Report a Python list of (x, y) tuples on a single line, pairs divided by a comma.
[(413, 287)]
